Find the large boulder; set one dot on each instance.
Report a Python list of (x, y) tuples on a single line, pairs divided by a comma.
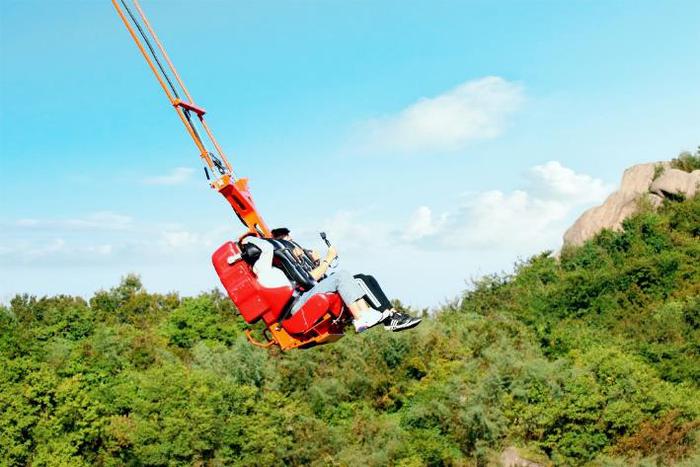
[(636, 179), (618, 206), (609, 215), (674, 182), (653, 182)]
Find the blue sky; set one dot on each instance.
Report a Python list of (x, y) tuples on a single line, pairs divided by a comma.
[(434, 141)]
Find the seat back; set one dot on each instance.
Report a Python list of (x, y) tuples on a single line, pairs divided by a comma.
[(253, 300), (294, 268)]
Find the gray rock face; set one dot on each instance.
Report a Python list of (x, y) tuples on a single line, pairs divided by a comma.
[(637, 183), (609, 215), (676, 182), (636, 179)]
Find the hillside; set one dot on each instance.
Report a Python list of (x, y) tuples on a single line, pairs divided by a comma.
[(590, 359)]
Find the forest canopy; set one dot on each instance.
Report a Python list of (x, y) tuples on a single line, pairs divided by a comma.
[(589, 358)]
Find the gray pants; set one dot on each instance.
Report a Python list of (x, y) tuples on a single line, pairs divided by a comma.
[(341, 282)]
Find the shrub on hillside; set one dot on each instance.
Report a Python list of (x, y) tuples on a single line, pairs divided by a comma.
[(687, 161)]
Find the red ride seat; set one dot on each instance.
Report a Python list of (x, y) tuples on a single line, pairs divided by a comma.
[(313, 310), (255, 301)]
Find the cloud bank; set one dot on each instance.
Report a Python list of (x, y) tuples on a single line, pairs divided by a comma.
[(474, 110), (533, 218), (418, 257), (102, 220)]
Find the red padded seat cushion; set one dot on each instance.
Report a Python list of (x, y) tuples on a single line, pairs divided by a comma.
[(310, 313)]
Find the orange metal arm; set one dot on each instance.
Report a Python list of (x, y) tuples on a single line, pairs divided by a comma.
[(182, 85), (198, 142), (235, 191)]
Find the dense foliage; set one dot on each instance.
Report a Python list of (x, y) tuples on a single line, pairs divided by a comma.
[(592, 358), (687, 161)]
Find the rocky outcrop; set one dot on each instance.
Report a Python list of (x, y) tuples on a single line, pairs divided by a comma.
[(675, 182), (653, 181)]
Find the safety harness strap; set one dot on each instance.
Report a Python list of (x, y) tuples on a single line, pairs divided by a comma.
[(293, 267)]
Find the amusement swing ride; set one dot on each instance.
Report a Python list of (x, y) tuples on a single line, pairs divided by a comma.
[(322, 318)]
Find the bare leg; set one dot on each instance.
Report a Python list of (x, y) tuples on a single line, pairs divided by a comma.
[(358, 307)]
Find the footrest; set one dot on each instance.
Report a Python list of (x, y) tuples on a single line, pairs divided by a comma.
[(187, 106)]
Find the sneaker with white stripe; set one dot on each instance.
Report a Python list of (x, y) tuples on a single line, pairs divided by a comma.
[(400, 321)]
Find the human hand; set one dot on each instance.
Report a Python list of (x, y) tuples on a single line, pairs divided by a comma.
[(332, 254)]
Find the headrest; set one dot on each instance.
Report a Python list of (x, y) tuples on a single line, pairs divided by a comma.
[(250, 253), (252, 248)]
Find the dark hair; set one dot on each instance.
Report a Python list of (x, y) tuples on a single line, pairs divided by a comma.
[(280, 232)]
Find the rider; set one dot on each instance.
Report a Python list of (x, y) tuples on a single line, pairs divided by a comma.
[(343, 282)]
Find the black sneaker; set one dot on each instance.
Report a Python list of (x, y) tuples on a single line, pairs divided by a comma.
[(400, 321)]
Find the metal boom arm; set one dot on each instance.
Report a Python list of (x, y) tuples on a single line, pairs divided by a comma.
[(225, 182)]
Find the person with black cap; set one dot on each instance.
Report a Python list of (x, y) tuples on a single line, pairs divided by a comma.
[(372, 293)]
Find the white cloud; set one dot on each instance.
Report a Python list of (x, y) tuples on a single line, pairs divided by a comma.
[(180, 239), (58, 245), (420, 258), (473, 110), (52, 256), (103, 250), (104, 237), (177, 176), (349, 230), (520, 219), (103, 220), (494, 219), (54, 251), (345, 229), (421, 224), (561, 182), (204, 240)]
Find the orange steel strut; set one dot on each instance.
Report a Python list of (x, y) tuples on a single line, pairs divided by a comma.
[(235, 190)]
